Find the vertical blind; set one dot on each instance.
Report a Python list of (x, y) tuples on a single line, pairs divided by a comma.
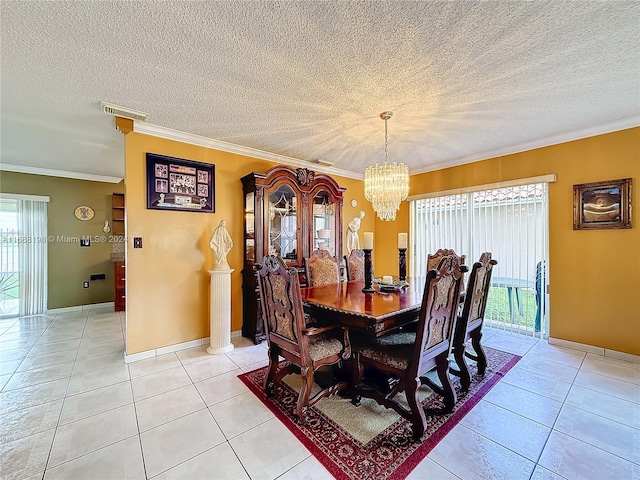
[(512, 224)]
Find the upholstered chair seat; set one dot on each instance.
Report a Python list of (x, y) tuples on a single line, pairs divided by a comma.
[(322, 346)]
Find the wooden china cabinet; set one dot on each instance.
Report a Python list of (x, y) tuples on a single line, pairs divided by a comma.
[(290, 212)]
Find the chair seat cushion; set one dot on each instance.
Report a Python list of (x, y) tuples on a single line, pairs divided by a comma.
[(394, 349), (323, 346)]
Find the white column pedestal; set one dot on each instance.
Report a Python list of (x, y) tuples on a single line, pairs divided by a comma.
[(220, 312)]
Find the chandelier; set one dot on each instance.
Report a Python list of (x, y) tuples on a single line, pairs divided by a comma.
[(386, 185)]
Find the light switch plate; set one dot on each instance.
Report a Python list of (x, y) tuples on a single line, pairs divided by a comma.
[(137, 242)]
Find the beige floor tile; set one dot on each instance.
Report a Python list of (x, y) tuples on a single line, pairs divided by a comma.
[(468, 455), (29, 421), (613, 408), (218, 463), (220, 388), (163, 408), (153, 365), (536, 407), (96, 401), (92, 433), (427, 468), (269, 450), (98, 379), (518, 433), (538, 383), (309, 469), (611, 386), (161, 382), (29, 378), (211, 367), (600, 432), (173, 443), (577, 460), (119, 461), (26, 456), (239, 414), (35, 395)]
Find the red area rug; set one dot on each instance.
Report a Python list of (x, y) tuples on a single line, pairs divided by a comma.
[(369, 442)]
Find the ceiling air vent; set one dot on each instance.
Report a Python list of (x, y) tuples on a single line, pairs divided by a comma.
[(124, 112)]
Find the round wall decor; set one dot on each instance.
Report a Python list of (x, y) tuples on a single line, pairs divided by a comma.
[(84, 213)]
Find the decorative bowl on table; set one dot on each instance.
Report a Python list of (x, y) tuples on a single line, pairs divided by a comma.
[(390, 287)]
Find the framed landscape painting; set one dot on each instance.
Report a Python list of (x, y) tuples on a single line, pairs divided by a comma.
[(602, 205), (179, 184)]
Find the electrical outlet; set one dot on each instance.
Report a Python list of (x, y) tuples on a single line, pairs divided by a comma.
[(85, 242), (85, 284), (137, 242)]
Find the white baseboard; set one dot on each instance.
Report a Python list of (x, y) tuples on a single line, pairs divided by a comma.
[(604, 352), (237, 333), (134, 357), (78, 308)]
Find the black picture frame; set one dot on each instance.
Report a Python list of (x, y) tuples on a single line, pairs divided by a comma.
[(180, 185)]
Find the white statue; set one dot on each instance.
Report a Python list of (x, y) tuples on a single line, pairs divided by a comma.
[(353, 243), (221, 243)]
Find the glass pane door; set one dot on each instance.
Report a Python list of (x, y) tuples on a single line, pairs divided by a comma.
[(9, 258), (324, 223), (283, 223)]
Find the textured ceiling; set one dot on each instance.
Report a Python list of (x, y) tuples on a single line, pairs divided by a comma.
[(308, 79)]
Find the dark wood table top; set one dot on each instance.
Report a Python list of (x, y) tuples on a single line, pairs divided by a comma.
[(375, 313)]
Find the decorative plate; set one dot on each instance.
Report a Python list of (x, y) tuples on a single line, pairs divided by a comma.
[(84, 213)]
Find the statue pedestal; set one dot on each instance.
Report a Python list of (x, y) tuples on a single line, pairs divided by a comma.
[(220, 312)]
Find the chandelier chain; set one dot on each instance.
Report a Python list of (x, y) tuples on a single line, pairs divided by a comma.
[(386, 143)]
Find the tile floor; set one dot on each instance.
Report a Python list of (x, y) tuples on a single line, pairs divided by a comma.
[(70, 408)]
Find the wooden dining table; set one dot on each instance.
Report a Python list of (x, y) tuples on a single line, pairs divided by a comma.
[(375, 313)]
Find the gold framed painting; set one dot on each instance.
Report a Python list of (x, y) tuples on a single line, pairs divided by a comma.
[(602, 205)]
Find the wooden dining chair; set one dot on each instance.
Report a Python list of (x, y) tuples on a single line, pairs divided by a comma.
[(469, 324), (321, 268), (405, 357), (308, 348), (354, 263)]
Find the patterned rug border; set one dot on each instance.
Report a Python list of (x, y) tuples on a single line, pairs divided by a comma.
[(412, 461)]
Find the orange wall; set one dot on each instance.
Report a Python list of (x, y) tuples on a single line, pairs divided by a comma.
[(594, 276), (167, 280)]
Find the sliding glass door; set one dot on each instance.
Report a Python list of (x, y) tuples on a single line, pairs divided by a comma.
[(23, 255), (512, 224)]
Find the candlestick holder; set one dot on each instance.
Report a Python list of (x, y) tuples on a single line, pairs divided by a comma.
[(368, 283), (402, 264)]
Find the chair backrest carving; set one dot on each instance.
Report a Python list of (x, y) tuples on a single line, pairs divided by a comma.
[(281, 301), (433, 260), (355, 264), (439, 308), (322, 268)]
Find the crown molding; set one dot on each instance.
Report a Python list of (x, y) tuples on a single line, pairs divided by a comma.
[(178, 136), (59, 173), (618, 125)]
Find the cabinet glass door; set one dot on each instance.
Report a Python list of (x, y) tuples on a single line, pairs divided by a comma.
[(283, 223), (324, 223)]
